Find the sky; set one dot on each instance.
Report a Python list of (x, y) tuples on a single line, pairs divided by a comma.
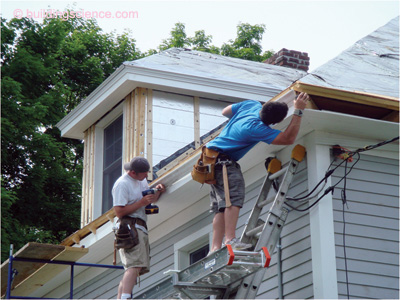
[(321, 28)]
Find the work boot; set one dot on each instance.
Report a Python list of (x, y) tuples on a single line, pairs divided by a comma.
[(238, 245)]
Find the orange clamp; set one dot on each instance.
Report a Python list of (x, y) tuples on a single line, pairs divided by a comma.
[(267, 256), (231, 255)]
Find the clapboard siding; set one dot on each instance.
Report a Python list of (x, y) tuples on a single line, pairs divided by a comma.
[(371, 229)]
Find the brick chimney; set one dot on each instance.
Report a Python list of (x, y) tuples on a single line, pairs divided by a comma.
[(290, 58)]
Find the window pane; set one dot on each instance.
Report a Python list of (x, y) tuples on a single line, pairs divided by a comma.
[(112, 160), (199, 254)]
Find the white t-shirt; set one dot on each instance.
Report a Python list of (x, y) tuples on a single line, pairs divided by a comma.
[(127, 190)]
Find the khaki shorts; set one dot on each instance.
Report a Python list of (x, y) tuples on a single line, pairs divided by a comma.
[(236, 188), (138, 256)]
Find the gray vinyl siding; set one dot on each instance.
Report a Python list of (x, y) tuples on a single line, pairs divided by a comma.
[(371, 229)]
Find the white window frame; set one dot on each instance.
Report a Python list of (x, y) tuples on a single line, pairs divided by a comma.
[(184, 247), (98, 161)]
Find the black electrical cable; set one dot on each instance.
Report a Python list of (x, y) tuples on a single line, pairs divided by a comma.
[(343, 193), (344, 201), (330, 172)]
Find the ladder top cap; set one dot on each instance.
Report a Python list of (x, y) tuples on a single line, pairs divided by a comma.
[(298, 152)]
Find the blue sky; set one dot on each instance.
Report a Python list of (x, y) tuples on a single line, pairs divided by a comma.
[(323, 29)]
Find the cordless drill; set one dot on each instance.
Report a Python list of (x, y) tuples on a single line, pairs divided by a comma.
[(151, 208)]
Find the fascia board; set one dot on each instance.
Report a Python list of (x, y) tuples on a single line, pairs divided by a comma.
[(128, 77), (349, 96)]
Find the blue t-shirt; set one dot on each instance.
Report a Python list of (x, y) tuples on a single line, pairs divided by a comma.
[(243, 131)]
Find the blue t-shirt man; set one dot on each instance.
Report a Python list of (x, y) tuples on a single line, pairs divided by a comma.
[(243, 131), (249, 124)]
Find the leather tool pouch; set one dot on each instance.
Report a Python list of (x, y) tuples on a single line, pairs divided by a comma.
[(203, 170), (126, 235)]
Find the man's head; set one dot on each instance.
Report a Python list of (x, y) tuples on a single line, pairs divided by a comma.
[(138, 165), (273, 112)]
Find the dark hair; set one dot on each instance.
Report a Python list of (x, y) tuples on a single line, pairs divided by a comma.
[(273, 112)]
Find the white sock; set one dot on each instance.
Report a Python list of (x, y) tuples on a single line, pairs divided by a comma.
[(125, 296)]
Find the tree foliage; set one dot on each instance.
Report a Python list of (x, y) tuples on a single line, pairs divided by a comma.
[(247, 44), (47, 70)]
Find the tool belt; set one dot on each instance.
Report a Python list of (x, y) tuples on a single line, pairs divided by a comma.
[(126, 235), (203, 170)]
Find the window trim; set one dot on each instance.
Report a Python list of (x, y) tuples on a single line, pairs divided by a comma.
[(190, 243), (98, 160)]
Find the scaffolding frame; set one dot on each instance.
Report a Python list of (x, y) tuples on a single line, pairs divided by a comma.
[(12, 272)]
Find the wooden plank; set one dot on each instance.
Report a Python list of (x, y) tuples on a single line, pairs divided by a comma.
[(48, 271), (83, 232), (132, 126), (350, 96), (126, 128), (25, 269), (91, 174), (175, 162), (136, 122), (196, 115), (84, 181), (149, 133), (142, 120)]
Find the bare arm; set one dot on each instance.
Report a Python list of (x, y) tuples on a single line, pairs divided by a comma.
[(227, 111), (121, 211), (288, 136)]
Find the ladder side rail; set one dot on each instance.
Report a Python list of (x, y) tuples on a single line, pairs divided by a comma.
[(284, 187), (251, 284), (271, 232), (255, 212), (276, 211)]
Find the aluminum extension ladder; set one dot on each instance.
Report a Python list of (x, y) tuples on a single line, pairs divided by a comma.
[(226, 270)]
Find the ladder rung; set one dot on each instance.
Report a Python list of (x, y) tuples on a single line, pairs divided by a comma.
[(243, 263), (245, 253), (277, 174), (254, 231), (265, 202)]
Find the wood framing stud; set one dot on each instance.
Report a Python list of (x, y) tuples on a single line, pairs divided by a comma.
[(93, 229), (76, 239), (196, 115), (149, 136)]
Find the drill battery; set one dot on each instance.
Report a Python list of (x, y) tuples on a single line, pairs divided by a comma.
[(151, 208)]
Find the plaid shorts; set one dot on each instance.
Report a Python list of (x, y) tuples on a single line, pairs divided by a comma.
[(138, 256), (236, 188)]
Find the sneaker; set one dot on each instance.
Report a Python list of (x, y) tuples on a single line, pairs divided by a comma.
[(238, 245)]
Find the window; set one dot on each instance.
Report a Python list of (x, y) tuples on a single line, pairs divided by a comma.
[(192, 248), (199, 254), (112, 160)]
